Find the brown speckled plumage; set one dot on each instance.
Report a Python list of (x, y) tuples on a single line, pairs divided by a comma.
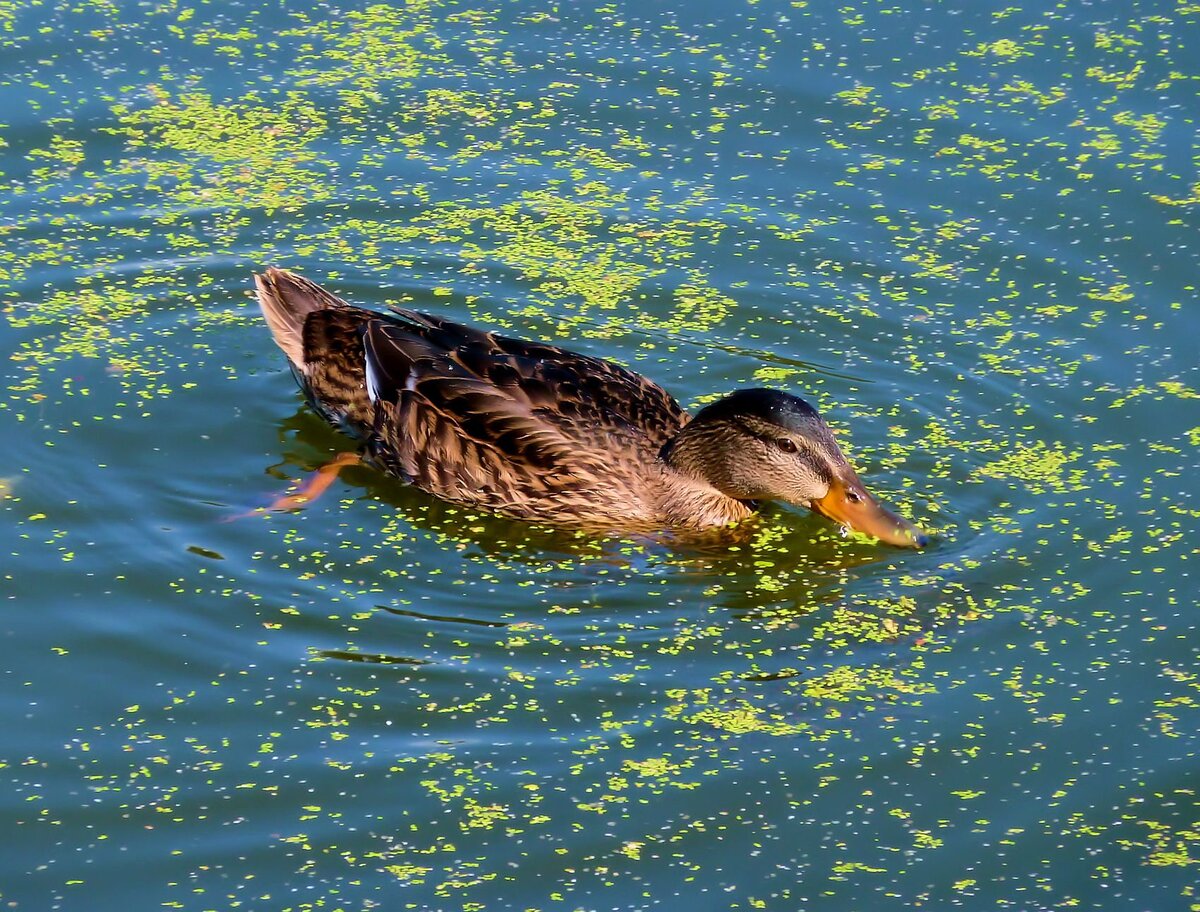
[(523, 428)]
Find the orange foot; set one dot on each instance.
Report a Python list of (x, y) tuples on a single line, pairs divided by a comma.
[(312, 488), (316, 484)]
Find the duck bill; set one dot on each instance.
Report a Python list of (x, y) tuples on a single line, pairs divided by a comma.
[(866, 516)]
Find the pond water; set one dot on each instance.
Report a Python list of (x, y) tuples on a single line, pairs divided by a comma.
[(968, 234)]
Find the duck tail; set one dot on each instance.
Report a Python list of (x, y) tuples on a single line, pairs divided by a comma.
[(286, 300)]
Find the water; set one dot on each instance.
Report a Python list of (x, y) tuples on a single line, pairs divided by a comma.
[(968, 236)]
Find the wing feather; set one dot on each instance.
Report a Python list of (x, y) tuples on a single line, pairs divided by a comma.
[(481, 418)]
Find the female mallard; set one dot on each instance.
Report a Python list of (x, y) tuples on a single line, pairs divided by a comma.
[(536, 432)]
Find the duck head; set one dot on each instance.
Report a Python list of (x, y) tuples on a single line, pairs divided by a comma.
[(761, 444)]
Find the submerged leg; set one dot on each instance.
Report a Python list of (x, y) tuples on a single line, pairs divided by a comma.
[(308, 491), (317, 483)]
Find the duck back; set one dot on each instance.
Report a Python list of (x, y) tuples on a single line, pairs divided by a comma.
[(521, 427)]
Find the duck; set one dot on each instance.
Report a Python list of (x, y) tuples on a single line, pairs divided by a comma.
[(539, 433)]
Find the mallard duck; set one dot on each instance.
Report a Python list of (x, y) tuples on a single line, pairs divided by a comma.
[(540, 433)]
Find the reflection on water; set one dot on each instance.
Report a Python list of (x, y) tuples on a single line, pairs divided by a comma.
[(975, 259), (443, 618), (373, 658)]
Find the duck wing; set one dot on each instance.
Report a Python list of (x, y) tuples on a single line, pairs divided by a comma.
[(482, 418), (589, 398), (473, 416)]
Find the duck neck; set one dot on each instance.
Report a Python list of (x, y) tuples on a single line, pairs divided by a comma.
[(696, 452), (694, 496)]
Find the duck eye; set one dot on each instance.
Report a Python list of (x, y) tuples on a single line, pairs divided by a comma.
[(853, 496), (785, 444)]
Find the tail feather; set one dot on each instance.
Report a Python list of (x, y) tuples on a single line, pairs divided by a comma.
[(286, 300)]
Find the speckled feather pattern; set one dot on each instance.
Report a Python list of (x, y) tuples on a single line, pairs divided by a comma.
[(521, 428)]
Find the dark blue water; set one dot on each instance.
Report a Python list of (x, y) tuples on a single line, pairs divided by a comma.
[(966, 235)]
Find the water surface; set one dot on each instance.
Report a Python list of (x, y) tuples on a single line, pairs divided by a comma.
[(967, 235)]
